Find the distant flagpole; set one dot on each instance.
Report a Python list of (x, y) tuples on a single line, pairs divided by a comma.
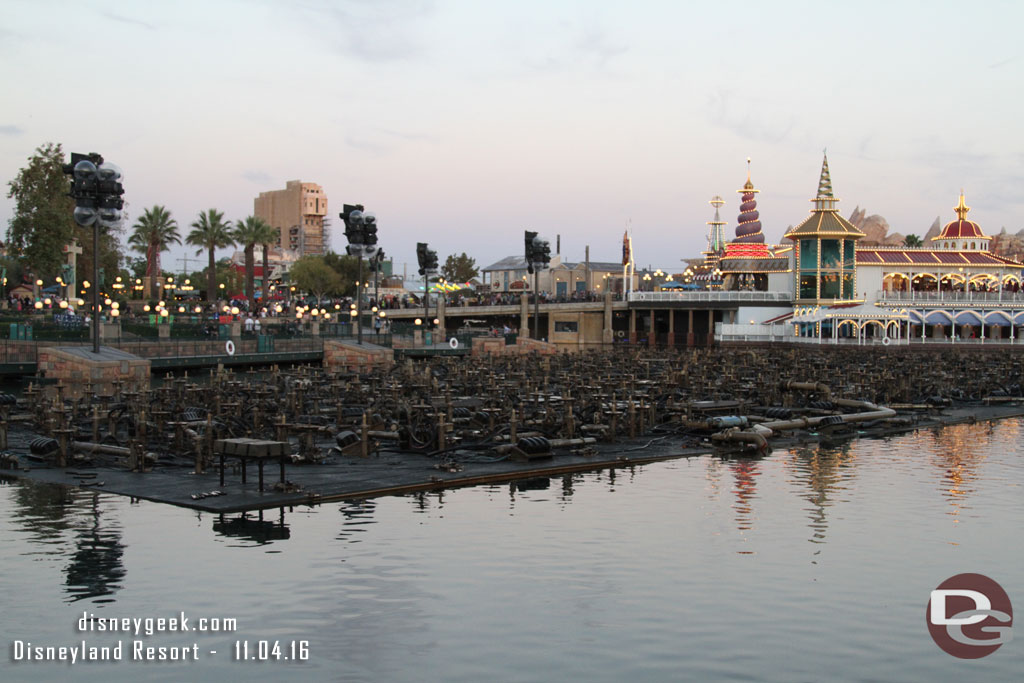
[(625, 254), (627, 257)]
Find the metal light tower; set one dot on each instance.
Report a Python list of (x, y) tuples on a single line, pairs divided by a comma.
[(427, 260), (361, 231), (96, 188), (538, 255)]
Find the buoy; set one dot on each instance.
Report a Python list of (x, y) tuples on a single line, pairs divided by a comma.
[(453, 342), (230, 347), (885, 341)]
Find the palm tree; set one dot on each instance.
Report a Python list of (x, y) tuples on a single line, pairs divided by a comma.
[(912, 241), (152, 234), (270, 237), (210, 232), (249, 233)]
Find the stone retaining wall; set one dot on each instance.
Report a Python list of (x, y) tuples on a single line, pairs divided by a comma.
[(352, 356)]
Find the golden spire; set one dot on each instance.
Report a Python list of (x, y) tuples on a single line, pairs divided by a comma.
[(961, 208), (748, 186)]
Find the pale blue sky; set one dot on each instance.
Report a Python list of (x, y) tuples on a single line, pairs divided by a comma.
[(462, 123)]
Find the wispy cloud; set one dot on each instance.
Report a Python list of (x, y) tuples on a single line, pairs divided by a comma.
[(596, 45), (1003, 62), (128, 20), (409, 137), (257, 176), (591, 49), (11, 130), (377, 31), (364, 145), (764, 126)]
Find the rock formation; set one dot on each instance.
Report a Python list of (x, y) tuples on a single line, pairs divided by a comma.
[(875, 229)]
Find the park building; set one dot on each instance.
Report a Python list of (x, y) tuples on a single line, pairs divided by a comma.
[(297, 213), (953, 289), (561, 279)]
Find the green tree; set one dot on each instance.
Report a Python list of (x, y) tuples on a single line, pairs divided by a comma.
[(311, 274), (210, 232), (153, 234), (271, 238), (248, 233), (459, 268), (42, 223), (912, 241), (347, 268)]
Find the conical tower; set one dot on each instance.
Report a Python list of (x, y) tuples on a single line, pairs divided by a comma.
[(749, 240), (748, 228), (826, 242)]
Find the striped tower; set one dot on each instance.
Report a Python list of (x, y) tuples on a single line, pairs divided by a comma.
[(748, 230)]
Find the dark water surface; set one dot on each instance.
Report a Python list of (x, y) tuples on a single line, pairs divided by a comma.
[(809, 565)]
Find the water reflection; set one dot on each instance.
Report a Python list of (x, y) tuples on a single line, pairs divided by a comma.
[(745, 472), (42, 511), (54, 515), (252, 527), (96, 568), (958, 456), (359, 513), (824, 471)]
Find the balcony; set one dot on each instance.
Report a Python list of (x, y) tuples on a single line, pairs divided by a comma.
[(952, 299), (712, 296)]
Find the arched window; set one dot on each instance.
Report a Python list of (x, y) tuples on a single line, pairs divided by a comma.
[(972, 245)]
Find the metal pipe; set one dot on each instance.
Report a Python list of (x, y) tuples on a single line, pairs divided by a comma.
[(743, 437)]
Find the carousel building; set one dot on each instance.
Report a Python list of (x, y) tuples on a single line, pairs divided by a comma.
[(952, 289)]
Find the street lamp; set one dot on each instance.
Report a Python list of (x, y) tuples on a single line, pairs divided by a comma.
[(361, 231)]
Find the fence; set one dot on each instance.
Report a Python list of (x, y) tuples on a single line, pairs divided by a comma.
[(710, 296)]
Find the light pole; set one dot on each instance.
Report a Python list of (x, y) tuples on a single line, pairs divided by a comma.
[(538, 255), (427, 260), (96, 189), (361, 231)]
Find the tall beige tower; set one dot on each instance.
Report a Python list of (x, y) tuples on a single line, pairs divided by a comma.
[(297, 213)]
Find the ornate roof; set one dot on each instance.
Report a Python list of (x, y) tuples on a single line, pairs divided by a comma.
[(961, 228), (925, 257), (825, 220)]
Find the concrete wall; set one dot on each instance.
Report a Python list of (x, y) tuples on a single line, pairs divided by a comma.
[(869, 280), (589, 329), (351, 356), (75, 371)]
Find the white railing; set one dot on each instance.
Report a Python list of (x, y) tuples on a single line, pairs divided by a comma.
[(710, 296), (999, 298), (747, 332), (783, 332)]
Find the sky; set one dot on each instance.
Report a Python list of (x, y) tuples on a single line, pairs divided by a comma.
[(461, 123)]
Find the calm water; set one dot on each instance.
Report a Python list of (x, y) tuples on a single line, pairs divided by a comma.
[(808, 565)]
